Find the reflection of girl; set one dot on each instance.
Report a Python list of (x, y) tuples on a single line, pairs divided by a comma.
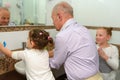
[(36, 58), (109, 58)]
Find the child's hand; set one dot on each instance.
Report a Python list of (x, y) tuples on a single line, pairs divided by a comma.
[(1, 47), (102, 54), (50, 53), (100, 51), (5, 50)]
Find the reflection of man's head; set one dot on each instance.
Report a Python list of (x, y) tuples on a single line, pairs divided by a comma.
[(4, 16)]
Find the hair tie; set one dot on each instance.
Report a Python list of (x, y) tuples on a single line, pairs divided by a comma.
[(49, 37), (40, 33)]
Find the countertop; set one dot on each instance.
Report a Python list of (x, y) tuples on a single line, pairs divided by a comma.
[(12, 75)]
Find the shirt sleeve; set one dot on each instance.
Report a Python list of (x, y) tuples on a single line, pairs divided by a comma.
[(60, 53), (113, 60), (17, 55)]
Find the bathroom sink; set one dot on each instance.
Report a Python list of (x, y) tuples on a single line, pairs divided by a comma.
[(20, 67)]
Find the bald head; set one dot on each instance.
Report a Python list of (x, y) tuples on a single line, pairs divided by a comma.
[(61, 13), (63, 6), (4, 16)]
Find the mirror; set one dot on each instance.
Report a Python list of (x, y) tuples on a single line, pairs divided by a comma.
[(26, 12), (38, 12)]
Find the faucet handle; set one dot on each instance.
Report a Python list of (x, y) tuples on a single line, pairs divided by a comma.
[(23, 45)]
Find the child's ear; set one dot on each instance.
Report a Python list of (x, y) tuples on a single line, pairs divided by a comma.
[(108, 37), (32, 44)]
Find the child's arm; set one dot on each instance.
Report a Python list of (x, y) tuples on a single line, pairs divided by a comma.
[(51, 54), (5, 50)]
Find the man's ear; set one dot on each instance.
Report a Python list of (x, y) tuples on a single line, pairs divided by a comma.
[(59, 17)]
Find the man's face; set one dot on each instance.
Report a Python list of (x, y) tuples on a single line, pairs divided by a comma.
[(56, 20), (4, 17)]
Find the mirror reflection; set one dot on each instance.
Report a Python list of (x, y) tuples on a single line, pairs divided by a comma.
[(38, 12), (25, 12)]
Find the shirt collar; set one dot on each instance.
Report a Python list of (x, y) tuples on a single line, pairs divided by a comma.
[(67, 23)]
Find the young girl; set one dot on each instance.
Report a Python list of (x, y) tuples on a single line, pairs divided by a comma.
[(108, 53), (36, 58)]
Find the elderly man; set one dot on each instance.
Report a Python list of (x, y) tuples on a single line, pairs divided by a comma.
[(74, 46)]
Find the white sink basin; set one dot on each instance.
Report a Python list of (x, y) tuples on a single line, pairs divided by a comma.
[(20, 67)]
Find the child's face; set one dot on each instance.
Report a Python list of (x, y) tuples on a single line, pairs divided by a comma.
[(102, 36)]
